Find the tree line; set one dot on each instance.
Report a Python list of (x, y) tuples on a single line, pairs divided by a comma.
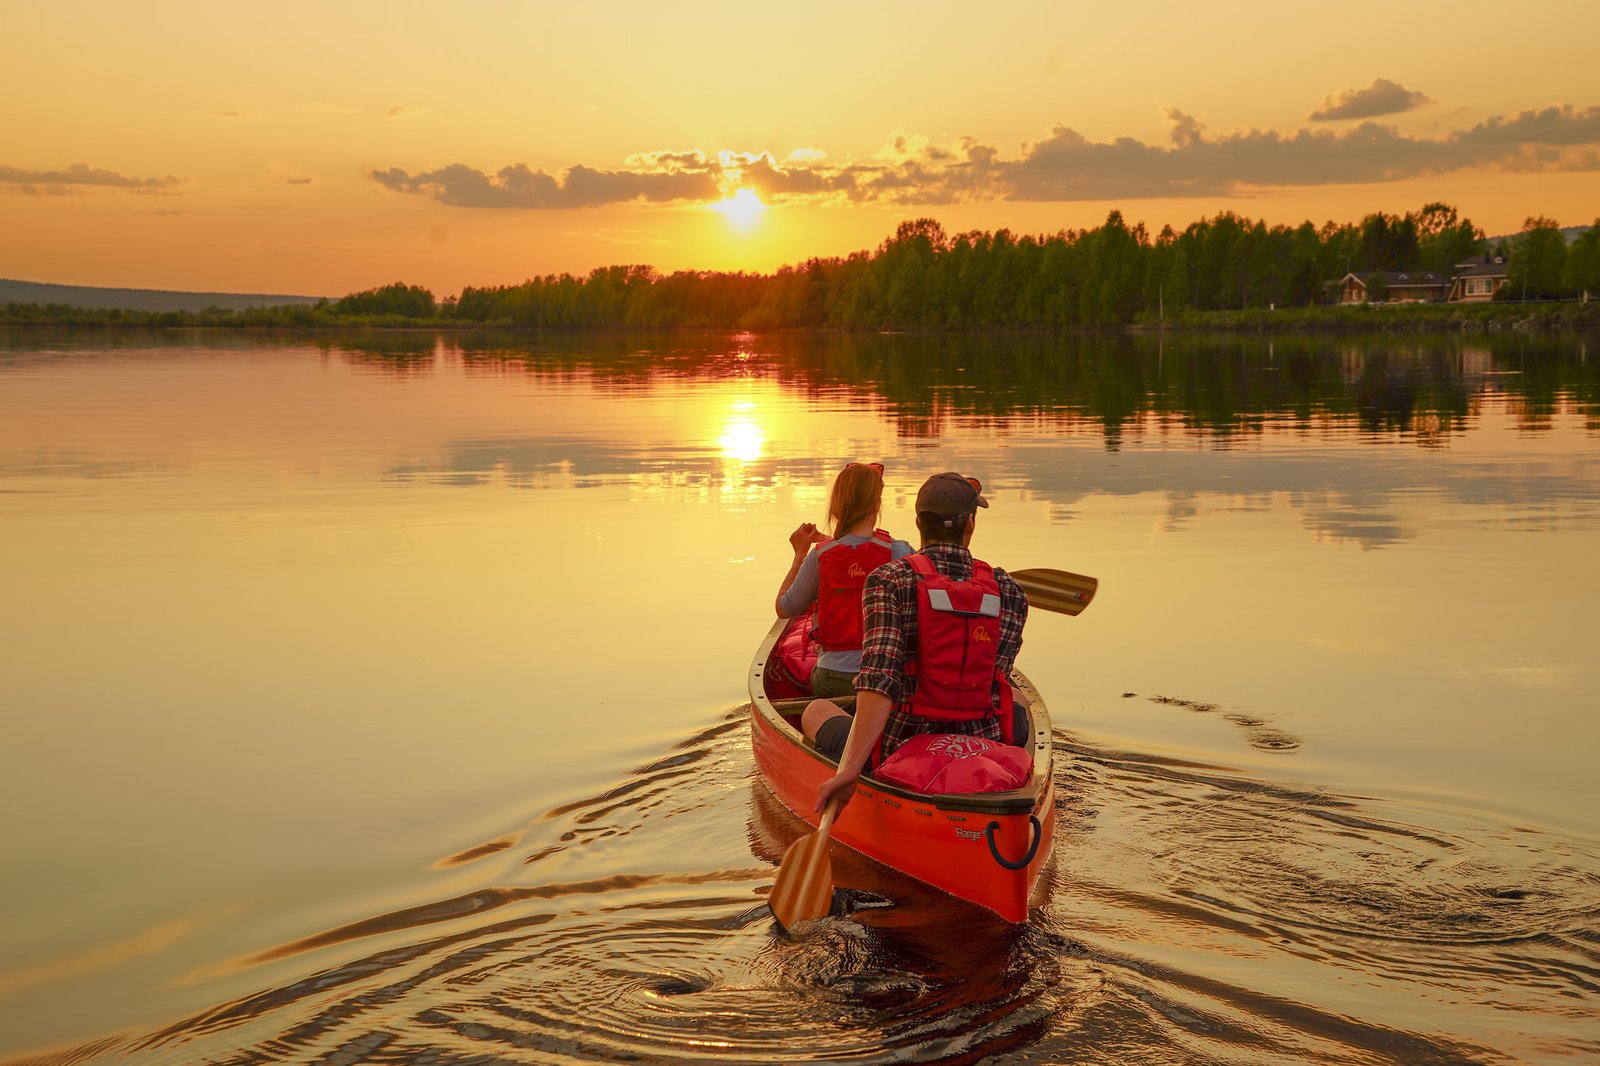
[(924, 278)]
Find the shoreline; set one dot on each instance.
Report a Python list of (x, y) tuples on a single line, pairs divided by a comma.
[(1361, 318)]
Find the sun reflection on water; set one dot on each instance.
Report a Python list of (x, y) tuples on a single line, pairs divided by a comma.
[(742, 439)]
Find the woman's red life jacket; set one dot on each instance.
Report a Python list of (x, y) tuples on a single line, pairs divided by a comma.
[(842, 571), (958, 643)]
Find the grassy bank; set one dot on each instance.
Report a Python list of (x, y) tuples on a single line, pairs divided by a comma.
[(1389, 318)]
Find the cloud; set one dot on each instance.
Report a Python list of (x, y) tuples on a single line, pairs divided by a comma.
[(518, 186), (913, 171), (1196, 162), (1068, 166), (1549, 126), (902, 146), (1382, 97), (80, 176), (668, 160), (284, 174)]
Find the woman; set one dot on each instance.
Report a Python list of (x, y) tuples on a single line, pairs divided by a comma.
[(832, 576)]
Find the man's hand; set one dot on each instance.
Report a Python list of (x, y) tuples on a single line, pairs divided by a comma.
[(872, 711), (842, 785)]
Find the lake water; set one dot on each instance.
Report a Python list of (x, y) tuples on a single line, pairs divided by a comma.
[(381, 699)]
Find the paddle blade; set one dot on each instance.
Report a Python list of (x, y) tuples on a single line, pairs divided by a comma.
[(804, 888), (1056, 590)]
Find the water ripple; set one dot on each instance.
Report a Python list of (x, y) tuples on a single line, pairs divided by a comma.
[(1191, 913)]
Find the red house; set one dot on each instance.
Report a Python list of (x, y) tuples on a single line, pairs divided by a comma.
[(1398, 287), (1478, 279)]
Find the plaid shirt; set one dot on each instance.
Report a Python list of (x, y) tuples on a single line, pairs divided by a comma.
[(889, 639)]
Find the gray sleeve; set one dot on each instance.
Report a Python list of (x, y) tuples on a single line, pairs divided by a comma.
[(900, 549), (803, 593)]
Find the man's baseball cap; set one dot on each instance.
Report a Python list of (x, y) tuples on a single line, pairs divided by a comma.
[(949, 494)]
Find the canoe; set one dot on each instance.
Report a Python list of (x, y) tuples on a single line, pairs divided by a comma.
[(988, 848)]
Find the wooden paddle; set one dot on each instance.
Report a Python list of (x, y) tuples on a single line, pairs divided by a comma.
[(804, 888), (1056, 590)]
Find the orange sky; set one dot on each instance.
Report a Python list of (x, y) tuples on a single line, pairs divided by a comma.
[(319, 149)]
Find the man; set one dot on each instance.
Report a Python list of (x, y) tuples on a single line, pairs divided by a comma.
[(941, 631)]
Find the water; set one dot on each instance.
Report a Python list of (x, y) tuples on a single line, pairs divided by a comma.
[(379, 699)]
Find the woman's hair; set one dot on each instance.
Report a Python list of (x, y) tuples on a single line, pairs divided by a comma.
[(857, 494)]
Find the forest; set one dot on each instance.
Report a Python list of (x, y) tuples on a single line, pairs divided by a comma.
[(922, 278)]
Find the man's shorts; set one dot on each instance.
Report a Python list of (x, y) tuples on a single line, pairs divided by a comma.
[(834, 732), (830, 739)]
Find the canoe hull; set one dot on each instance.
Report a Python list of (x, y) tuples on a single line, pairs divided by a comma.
[(953, 843)]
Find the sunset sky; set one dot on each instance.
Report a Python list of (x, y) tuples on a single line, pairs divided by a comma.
[(318, 149)]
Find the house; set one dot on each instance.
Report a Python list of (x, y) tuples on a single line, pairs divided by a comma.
[(1396, 287), (1478, 279)]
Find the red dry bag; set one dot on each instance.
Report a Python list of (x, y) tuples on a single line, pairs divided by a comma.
[(945, 763)]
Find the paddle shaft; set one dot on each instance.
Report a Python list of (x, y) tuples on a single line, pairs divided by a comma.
[(825, 824)]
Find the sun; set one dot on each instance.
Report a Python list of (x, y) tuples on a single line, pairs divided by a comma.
[(742, 210)]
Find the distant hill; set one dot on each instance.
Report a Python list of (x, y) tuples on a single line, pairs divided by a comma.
[(33, 292), (1571, 233)]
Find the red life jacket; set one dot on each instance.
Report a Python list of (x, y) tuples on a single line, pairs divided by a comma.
[(842, 571), (958, 643)]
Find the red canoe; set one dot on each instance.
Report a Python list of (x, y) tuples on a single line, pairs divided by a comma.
[(988, 848)]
